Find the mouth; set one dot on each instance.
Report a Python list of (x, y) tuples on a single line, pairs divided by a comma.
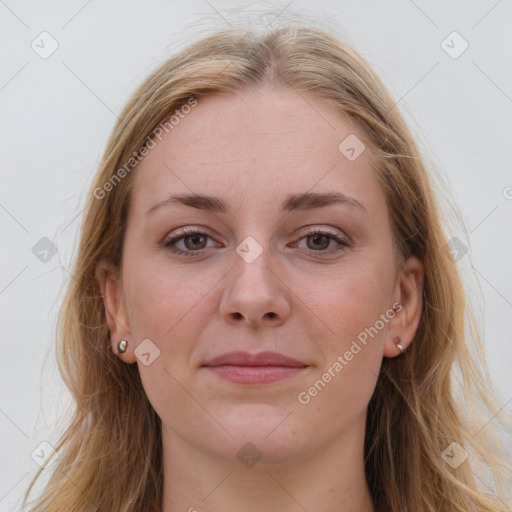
[(255, 374), (262, 368)]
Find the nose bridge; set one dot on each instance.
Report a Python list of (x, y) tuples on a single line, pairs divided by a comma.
[(254, 291), (252, 262)]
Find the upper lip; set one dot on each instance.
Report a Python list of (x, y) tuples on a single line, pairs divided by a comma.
[(261, 359)]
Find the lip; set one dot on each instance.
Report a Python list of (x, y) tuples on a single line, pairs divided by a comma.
[(239, 358), (262, 368)]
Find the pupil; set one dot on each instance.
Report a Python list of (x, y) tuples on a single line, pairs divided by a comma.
[(195, 240), (324, 237)]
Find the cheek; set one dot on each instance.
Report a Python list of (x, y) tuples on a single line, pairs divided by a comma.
[(167, 306), (170, 305), (355, 310), (356, 299), (352, 353)]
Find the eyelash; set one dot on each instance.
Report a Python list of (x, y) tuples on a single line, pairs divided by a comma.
[(188, 231)]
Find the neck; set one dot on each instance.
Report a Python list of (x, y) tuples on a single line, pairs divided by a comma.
[(332, 479)]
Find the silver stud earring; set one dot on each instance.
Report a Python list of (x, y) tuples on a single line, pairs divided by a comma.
[(121, 346), (398, 345)]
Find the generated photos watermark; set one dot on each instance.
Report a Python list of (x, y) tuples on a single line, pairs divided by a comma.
[(137, 156), (305, 397)]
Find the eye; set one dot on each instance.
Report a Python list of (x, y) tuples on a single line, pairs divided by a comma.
[(318, 240), (193, 240)]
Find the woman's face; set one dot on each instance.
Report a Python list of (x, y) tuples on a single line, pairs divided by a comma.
[(269, 271)]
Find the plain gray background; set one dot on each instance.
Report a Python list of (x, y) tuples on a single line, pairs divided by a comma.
[(57, 112)]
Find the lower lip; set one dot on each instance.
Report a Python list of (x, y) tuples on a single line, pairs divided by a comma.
[(255, 374)]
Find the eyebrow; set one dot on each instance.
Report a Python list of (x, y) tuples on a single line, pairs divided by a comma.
[(305, 201)]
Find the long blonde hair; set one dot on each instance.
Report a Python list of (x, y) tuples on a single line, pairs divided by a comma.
[(110, 454)]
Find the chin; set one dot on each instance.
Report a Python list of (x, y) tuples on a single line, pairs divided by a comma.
[(256, 434)]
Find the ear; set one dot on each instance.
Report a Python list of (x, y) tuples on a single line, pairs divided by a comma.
[(409, 294), (115, 309)]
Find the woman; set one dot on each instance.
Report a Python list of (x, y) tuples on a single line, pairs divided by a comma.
[(264, 314)]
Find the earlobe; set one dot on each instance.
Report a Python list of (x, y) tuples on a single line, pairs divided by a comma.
[(409, 294), (110, 284), (129, 355), (399, 346)]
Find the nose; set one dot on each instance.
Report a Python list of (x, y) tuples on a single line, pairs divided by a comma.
[(255, 294)]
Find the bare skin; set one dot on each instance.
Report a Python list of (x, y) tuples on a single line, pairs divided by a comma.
[(305, 296)]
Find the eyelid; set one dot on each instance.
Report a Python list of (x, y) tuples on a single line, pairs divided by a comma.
[(308, 230), (186, 231), (327, 230)]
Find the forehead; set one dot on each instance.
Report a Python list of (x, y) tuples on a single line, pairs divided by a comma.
[(250, 147)]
